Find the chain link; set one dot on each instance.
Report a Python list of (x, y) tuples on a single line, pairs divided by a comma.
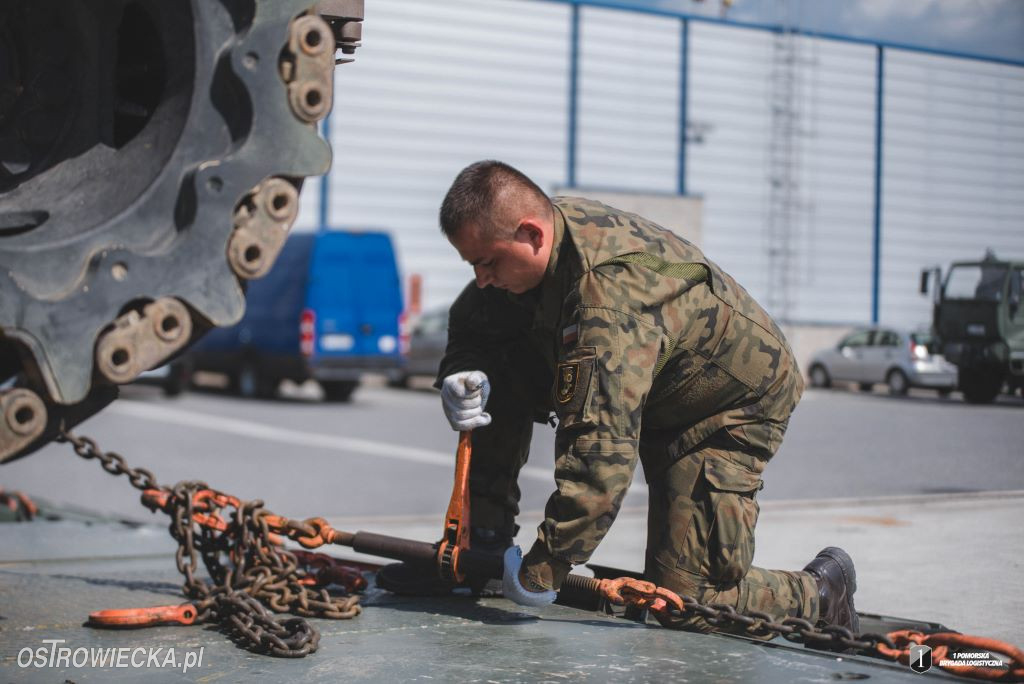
[(669, 608), (797, 630), (249, 572)]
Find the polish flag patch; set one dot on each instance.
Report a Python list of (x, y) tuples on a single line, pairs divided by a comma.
[(570, 334)]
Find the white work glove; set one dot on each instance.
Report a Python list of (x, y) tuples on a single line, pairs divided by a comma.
[(464, 396), (513, 589)]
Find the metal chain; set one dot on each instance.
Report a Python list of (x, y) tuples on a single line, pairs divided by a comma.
[(249, 570), (840, 639), (668, 607), (797, 630)]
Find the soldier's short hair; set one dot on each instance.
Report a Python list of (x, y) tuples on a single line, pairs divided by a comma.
[(491, 195)]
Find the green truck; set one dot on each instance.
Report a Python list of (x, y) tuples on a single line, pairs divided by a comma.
[(978, 322)]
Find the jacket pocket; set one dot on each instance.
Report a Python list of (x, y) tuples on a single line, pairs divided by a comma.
[(575, 377)]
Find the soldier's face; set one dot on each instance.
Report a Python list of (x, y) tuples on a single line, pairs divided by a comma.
[(516, 264)]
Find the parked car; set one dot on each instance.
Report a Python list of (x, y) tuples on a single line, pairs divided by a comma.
[(427, 341), (899, 358), (328, 309)]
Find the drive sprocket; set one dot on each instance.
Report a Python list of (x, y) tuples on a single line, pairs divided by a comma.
[(151, 153)]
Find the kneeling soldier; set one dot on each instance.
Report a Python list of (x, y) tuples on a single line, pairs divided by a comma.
[(646, 351)]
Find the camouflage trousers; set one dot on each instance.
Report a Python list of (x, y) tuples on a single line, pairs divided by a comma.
[(702, 510), (702, 513), (700, 531)]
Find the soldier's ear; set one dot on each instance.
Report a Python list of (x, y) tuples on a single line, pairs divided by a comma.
[(530, 231)]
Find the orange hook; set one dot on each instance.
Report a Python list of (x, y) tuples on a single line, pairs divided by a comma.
[(184, 614)]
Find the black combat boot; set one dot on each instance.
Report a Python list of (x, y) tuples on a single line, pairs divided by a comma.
[(833, 570), (413, 579)]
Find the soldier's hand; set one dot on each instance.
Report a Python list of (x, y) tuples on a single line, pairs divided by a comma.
[(513, 589), (464, 396)]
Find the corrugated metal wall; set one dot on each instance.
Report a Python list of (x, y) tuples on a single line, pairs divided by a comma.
[(954, 169), (628, 101), (837, 174), (733, 84), (438, 85), (729, 105)]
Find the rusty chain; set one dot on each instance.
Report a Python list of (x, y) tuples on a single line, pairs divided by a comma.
[(892, 646), (668, 606), (248, 569), (797, 630)]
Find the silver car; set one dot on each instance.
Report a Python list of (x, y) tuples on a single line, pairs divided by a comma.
[(898, 358), (427, 342)]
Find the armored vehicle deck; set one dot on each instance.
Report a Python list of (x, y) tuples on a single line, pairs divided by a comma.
[(53, 574)]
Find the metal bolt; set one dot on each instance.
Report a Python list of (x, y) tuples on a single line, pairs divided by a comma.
[(171, 319), (311, 100), (279, 199), (26, 413)]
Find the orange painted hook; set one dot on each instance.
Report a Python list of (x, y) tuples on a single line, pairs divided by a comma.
[(129, 618)]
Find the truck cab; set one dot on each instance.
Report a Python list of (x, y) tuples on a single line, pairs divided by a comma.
[(978, 320)]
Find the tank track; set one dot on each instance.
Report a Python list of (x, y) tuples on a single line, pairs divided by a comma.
[(92, 297)]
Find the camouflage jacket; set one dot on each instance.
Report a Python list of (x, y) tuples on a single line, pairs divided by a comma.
[(632, 329)]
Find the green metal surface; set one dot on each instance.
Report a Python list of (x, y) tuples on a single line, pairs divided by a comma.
[(53, 574)]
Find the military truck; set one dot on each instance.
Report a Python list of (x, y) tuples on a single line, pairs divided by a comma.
[(978, 321)]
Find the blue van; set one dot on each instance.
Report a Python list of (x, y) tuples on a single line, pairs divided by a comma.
[(329, 310)]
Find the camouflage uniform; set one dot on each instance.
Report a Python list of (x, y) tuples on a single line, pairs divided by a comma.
[(644, 349)]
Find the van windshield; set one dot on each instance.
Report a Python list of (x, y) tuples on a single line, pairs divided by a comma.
[(976, 281)]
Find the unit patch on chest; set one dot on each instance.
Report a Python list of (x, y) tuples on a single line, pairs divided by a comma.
[(568, 377)]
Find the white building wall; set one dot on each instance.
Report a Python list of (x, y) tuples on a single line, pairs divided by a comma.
[(728, 101), (628, 123), (442, 84), (954, 171), (832, 166), (834, 232), (309, 206), (436, 86)]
